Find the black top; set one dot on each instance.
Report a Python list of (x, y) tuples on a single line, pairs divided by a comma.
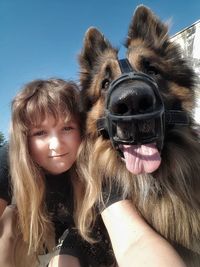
[(5, 188), (59, 201)]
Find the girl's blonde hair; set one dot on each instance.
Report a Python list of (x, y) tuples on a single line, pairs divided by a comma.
[(29, 108)]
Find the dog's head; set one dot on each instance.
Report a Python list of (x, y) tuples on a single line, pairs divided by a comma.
[(137, 101)]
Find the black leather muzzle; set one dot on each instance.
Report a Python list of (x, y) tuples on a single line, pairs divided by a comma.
[(134, 110)]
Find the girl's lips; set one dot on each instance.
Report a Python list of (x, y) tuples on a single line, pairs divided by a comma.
[(58, 156)]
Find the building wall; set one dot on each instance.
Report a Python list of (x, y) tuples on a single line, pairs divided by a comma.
[(189, 40)]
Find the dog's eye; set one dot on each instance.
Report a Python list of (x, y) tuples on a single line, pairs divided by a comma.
[(105, 84), (149, 68), (152, 70)]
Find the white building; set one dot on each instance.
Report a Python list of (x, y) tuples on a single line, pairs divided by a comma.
[(189, 40)]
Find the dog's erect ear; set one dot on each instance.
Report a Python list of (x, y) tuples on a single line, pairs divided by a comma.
[(90, 59), (94, 45), (148, 27)]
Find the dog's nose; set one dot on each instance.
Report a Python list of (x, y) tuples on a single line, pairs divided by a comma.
[(131, 98)]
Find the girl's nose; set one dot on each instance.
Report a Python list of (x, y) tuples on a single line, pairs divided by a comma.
[(53, 143)]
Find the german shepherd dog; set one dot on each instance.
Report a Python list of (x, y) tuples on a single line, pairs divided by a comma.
[(139, 129)]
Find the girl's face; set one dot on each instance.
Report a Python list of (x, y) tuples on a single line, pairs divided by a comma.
[(53, 145)]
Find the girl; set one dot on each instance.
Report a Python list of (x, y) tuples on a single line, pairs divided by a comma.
[(44, 139)]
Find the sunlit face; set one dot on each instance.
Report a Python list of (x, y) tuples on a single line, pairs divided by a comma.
[(53, 145)]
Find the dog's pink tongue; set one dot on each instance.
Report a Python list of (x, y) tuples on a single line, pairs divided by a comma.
[(141, 158)]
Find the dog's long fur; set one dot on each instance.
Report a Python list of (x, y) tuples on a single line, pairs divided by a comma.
[(169, 199)]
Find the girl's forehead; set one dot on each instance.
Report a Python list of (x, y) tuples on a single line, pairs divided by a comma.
[(51, 120)]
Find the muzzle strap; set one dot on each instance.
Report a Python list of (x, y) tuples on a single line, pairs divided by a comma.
[(125, 65), (174, 117)]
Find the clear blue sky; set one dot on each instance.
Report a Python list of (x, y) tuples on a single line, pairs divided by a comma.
[(42, 38)]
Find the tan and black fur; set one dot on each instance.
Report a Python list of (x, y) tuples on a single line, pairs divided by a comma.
[(169, 199)]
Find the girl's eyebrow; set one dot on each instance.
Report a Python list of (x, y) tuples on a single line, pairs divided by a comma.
[(36, 127), (32, 130), (70, 121)]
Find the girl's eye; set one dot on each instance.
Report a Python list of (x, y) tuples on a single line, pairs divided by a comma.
[(67, 128), (39, 133)]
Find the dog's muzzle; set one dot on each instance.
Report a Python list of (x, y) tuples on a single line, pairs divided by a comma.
[(134, 110)]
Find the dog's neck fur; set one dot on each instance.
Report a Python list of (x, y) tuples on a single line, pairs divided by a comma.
[(172, 186)]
